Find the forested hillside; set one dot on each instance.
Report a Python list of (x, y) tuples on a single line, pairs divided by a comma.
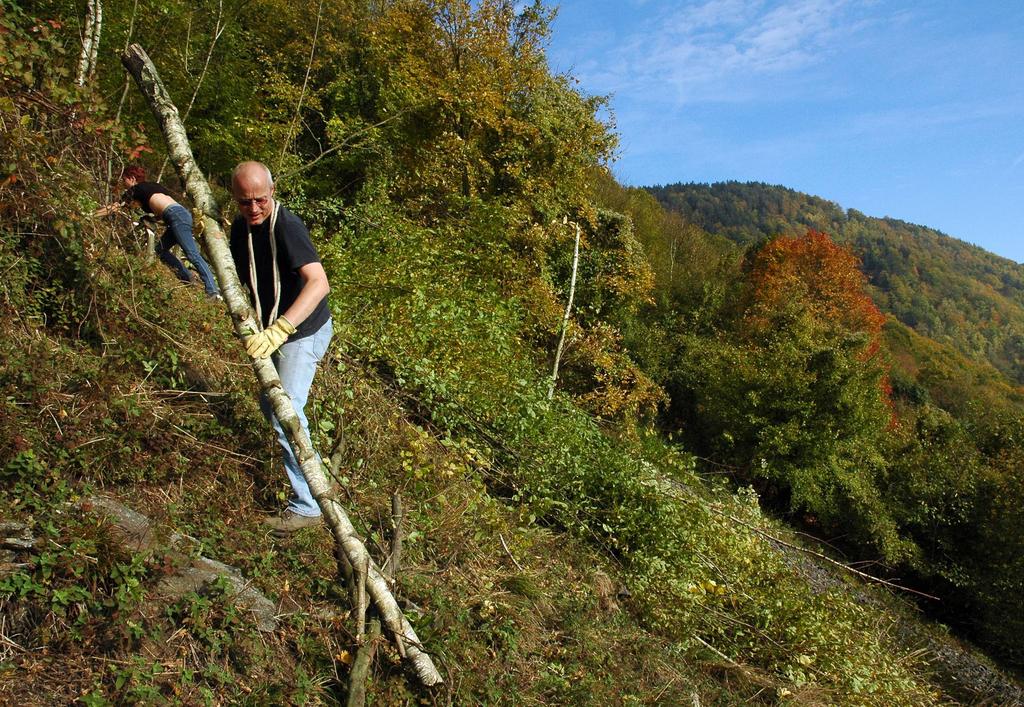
[(606, 535), (944, 473), (943, 288)]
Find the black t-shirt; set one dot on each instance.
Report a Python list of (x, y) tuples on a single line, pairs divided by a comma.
[(142, 192), (294, 249)]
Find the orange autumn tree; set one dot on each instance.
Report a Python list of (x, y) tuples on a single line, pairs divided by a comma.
[(818, 277)]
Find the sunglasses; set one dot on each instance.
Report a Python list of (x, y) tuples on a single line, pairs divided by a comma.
[(258, 201)]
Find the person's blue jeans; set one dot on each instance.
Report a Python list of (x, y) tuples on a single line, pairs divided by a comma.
[(179, 230), (296, 363)]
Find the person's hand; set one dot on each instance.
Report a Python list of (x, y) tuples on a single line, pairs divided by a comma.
[(269, 340), (107, 210)]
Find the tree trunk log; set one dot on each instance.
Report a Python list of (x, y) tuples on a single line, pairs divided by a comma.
[(207, 214)]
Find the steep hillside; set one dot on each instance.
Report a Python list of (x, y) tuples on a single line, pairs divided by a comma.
[(943, 288), (537, 565), (534, 565)]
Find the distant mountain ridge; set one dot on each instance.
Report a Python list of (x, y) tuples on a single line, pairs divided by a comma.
[(944, 288)]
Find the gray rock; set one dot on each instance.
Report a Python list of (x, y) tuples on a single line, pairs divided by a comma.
[(16, 536), (196, 572)]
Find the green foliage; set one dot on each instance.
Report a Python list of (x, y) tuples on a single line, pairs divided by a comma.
[(953, 483), (38, 105), (62, 598), (790, 392), (454, 348)]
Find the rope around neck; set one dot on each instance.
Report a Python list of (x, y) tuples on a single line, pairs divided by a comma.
[(277, 272)]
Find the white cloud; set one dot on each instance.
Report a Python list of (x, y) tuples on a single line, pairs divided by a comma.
[(712, 50)]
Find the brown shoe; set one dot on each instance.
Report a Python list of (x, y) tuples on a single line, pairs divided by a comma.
[(289, 521)]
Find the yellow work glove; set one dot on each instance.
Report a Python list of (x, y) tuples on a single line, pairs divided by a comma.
[(270, 339)]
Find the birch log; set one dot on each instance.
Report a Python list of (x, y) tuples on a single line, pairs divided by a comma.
[(207, 215)]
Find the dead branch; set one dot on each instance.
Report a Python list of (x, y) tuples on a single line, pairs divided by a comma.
[(673, 485), (342, 145), (218, 29), (826, 558), (568, 312), (364, 657), (361, 666)]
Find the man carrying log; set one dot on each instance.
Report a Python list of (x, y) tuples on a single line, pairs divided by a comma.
[(288, 287)]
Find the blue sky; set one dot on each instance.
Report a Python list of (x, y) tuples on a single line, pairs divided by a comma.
[(913, 110)]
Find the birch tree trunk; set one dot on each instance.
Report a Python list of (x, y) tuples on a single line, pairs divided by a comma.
[(207, 214), (83, 58), (90, 41), (97, 29), (568, 313)]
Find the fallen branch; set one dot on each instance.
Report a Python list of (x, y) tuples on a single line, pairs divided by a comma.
[(509, 553), (673, 484), (361, 666), (208, 217), (826, 558)]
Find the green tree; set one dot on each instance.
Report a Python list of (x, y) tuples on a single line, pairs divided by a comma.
[(793, 393)]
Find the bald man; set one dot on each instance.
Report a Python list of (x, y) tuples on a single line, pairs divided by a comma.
[(276, 259)]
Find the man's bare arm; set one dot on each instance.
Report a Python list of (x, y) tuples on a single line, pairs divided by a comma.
[(314, 288)]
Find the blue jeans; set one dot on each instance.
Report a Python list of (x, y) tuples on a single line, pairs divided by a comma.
[(179, 230), (296, 363)]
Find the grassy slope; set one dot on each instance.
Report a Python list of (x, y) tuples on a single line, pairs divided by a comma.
[(96, 418), (106, 411)]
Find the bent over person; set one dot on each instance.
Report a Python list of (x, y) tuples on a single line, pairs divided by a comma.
[(276, 259), (155, 199)]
